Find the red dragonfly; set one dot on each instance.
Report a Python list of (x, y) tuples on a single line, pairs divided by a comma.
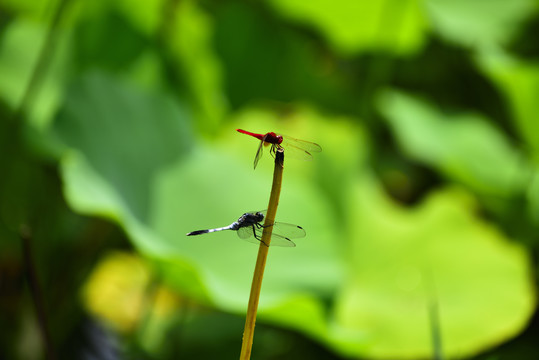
[(296, 148)]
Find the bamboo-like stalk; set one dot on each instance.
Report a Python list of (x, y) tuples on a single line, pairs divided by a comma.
[(249, 330)]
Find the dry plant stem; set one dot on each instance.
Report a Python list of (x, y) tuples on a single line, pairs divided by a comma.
[(248, 332)]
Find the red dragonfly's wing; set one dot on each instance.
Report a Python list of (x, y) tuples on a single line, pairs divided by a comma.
[(308, 146), (259, 153), (297, 153), (299, 149)]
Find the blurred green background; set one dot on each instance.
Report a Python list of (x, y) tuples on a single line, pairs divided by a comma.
[(117, 136)]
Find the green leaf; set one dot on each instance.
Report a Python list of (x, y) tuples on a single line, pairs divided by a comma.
[(401, 259), (113, 124), (518, 81), (128, 162), (401, 27), (478, 23), (463, 146), (122, 165), (212, 190), (396, 26)]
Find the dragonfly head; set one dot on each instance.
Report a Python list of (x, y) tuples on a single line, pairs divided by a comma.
[(259, 216)]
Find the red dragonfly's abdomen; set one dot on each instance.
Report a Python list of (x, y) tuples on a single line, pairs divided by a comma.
[(270, 137)]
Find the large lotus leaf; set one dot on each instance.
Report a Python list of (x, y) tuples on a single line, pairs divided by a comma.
[(401, 261), (478, 22), (124, 165), (216, 184), (117, 133), (396, 26), (112, 123), (464, 146)]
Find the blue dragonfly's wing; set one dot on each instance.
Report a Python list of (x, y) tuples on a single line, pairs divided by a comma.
[(246, 232), (253, 240), (282, 234), (289, 231), (278, 240)]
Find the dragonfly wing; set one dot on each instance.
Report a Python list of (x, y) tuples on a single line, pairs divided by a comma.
[(248, 232), (258, 153), (302, 144), (278, 240), (252, 240), (289, 231), (297, 152), (282, 233), (245, 232)]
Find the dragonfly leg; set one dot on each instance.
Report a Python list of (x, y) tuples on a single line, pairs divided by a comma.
[(255, 235), (275, 148), (272, 150), (258, 226)]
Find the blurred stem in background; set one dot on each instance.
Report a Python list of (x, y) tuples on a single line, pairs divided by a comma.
[(31, 215), (36, 292), (45, 55)]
